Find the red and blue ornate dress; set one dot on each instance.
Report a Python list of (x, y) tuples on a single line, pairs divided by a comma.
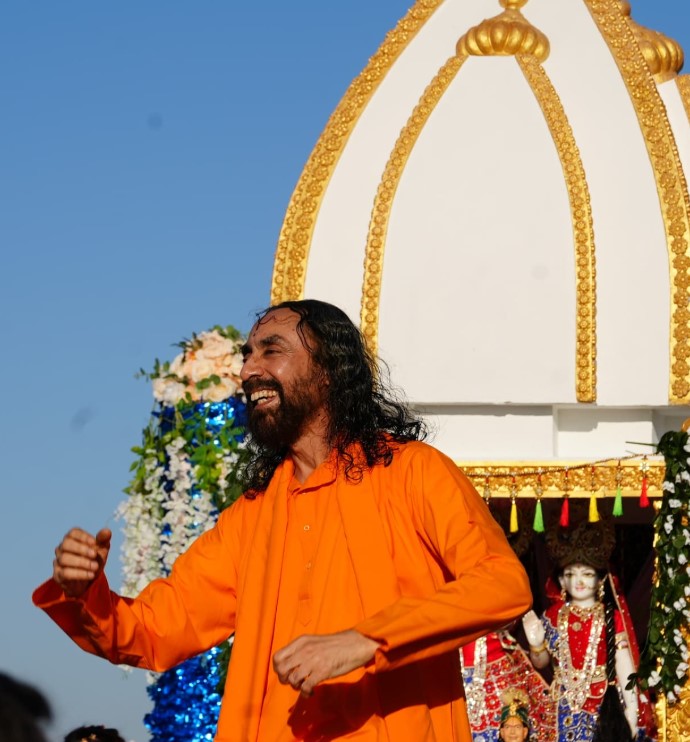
[(490, 666), (580, 667)]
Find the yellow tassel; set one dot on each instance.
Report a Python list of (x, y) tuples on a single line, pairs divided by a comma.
[(593, 510), (513, 518)]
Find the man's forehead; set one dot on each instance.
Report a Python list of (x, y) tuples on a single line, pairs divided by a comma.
[(276, 324), (285, 319)]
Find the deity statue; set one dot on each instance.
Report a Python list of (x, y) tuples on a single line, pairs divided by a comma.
[(587, 634)]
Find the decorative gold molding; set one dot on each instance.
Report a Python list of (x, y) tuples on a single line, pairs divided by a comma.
[(507, 34), (378, 225), (583, 229), (672, 187), (673, 720), (294, 241), (683, 83), (664, 56), (578, 479)]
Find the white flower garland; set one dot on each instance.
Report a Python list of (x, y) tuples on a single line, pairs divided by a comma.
[(172, 500)]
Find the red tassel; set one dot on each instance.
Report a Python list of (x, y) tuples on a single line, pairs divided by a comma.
[(644, 499), (565, 513)]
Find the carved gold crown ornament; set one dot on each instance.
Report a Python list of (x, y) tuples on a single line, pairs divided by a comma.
[(507, 34), (663, 55)]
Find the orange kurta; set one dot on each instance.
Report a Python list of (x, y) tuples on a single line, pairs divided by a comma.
[(410, 556)]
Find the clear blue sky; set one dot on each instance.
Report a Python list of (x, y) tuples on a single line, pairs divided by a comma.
[(149, 153)]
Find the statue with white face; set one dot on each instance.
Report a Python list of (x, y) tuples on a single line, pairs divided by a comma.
[(571, 633), (581, 582)]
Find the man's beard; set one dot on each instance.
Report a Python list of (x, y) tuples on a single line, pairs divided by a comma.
[(279, 428)]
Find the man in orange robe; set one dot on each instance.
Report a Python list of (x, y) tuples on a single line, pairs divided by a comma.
[(350, 572)]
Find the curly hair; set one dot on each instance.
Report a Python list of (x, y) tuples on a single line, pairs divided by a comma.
[(362, 408)]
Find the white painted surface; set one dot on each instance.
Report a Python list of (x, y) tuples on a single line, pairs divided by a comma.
[(479, 257), (497, 432)]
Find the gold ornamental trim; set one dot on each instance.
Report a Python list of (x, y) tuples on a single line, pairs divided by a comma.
[(672, 187), (583, 228), (378, 225), (507, 34), (294, 241), (579, 479), (683, 83), (664, 56), (673, 720)]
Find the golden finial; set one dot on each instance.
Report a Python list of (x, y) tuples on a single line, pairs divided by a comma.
[(663, 55), (506, 34)]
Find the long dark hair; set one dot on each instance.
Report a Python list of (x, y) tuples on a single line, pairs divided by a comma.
[(362, 406), (612, 725)]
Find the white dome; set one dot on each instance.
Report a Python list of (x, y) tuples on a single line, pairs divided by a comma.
[(501, 199)]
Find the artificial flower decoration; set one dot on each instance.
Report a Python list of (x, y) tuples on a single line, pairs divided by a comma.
[(186, 471), (208, 369)]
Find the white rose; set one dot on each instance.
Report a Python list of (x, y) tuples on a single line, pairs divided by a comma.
[(219, 392), (214, 345), (236, 363), (176, 365), (199, 368), (168, 391)]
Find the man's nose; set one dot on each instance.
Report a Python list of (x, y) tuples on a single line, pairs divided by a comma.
[(249, 369)]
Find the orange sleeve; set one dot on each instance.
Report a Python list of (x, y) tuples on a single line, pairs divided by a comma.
[(171, 620), (486, 587)]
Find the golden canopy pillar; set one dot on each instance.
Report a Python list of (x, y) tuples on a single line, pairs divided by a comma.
[(500, 199)]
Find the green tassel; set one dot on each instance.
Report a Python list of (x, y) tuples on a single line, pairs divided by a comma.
[(618, 503), (538, 519)]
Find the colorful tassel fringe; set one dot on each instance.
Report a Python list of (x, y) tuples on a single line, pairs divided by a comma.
[(565, 513), (618, 503), (593, 510), (644, 499), (513, 517), (538, 524)]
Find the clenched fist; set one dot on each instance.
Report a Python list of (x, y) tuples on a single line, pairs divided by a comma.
[(79, 559)]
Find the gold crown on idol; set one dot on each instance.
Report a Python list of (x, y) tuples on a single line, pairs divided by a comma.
[(585, 543)]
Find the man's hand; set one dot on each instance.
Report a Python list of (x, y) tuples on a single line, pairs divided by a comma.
[(308, 660), (79, 559)]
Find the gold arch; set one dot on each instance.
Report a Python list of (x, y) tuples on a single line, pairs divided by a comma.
[(583, 228), (294, 241), (578, 194), (668, 172), (378, 225), (683, 83)]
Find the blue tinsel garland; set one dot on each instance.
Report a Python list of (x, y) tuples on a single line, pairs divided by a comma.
[(185, 700)]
